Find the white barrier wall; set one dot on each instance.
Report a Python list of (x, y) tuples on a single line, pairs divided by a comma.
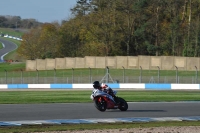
[(113, 85), (60, 63), (184, 86), (133, 62), (50, 64), (80, 62), (121, 61), (30, 65), (40, 64), (90, 61), (111, 62), (100, 62), (128, 62), (70, 63)]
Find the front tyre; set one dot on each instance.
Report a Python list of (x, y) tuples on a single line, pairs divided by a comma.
[(100, 105), (123, 106)]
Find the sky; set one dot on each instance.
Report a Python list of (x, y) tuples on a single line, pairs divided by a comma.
[(41, 10)]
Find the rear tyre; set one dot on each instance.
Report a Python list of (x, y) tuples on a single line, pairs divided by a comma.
[(123, 106), (101, 106)]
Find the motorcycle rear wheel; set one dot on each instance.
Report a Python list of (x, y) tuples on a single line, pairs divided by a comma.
[(123, 106), (101, 106)]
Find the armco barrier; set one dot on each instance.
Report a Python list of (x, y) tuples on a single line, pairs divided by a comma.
[(89, 86)]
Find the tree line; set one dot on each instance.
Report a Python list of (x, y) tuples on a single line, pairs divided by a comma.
[(119, 28), (16, 22)]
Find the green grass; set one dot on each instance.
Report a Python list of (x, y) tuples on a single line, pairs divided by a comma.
[(72, 96), (1, 45), (11, 32), (44, 97), (12, 67), (82, 127)]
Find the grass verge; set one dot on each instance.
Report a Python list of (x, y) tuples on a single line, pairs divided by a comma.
[(101, 126), (12, 66), (12, 32), (72, 96), (1, 45)]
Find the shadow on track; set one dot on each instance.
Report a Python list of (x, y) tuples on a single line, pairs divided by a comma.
[(137, 111)]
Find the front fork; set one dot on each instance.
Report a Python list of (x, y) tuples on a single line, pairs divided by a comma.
[(101, 100)]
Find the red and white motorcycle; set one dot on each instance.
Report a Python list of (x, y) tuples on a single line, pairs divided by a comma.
[(103, 101)]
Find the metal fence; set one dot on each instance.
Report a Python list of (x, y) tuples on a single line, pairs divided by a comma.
[(103, 75)]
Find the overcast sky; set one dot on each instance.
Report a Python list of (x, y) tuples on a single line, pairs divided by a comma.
[(41, 10)]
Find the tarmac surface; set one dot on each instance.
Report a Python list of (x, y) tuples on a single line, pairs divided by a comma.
[(20, 112), (8, 47)]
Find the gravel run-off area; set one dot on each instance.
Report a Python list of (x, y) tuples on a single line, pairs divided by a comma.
[(182, 129)]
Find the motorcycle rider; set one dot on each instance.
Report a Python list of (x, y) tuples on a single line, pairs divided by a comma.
[(102, 87), (97, 87), (108, 90)]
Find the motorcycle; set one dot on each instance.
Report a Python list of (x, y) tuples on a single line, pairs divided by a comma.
[(103, 101)]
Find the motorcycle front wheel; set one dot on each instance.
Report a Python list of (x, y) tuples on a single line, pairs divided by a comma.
[(123, 106), (101, 106)]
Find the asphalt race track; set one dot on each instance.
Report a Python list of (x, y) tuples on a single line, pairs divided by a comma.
[(9, 46), (19, 112)]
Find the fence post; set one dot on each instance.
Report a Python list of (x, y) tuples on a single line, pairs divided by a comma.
[(158, 74), (90, 80), (54, 75), (123, 74), (37, 76), (63, 76), (6, 76), (196, 78), (107, 77), (140, 74), (72, 75), (176, 74), (21, 76)]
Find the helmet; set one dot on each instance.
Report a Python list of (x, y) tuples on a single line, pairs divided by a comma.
[(103, 85), (96, 84)]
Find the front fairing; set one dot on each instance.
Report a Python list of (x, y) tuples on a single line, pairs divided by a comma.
[(99, 93)]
